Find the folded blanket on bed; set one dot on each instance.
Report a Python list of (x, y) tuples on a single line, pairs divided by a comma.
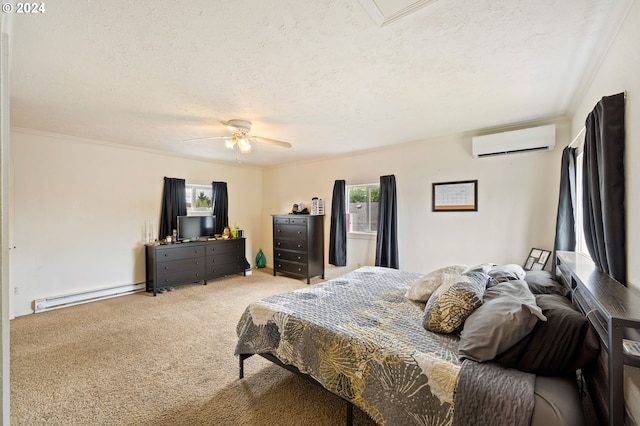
[(490, 394)]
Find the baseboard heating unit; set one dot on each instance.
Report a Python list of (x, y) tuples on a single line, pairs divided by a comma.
[(49, 303)]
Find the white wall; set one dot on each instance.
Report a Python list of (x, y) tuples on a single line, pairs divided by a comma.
[(80, 209), (620, 71), (517, 200)]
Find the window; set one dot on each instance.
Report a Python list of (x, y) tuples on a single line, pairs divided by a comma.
[(581, 245), (198, 199), (362, 208)]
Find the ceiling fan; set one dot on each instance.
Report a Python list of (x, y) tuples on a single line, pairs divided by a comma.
[(240, 140)]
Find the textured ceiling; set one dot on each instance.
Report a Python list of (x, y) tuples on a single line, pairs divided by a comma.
[(319, 74)]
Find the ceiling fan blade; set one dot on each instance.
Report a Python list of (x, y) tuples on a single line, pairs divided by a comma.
[(271, 141), (209, 138)]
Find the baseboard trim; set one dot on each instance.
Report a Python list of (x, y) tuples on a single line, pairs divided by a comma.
[(63, 301)]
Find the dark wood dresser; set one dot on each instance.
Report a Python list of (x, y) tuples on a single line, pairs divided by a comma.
[(185, 263), (298, 245)]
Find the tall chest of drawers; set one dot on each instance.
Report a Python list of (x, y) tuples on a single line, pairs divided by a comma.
[(298, 245)]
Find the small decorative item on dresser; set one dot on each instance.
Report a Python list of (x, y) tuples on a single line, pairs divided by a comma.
[(317, 206), (226, 233)]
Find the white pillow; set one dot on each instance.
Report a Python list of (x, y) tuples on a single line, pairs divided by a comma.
[(507, 272), (424, 287), (483, 267)]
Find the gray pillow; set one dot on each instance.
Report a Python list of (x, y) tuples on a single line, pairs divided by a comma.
[(508, 313), (543, 282), (566, 342)]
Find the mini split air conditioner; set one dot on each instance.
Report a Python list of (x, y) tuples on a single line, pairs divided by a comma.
[(531, 139)]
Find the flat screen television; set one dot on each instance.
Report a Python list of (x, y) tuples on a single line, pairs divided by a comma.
[(194, 227)]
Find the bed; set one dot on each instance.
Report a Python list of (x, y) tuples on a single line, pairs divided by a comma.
[(361, 338)]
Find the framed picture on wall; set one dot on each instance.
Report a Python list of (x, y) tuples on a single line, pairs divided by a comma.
[(537, 260), (461, 196)]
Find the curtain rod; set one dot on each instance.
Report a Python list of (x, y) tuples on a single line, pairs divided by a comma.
[(583, 129), (577, 137)]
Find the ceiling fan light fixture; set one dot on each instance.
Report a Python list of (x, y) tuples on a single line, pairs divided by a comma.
[(238, 126), (240, 140), (244, 146)]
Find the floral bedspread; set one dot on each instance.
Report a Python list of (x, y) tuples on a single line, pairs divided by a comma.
[(363, 340)]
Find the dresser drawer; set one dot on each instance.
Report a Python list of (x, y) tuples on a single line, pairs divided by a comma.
[(172, 266), (299, 221), (175, 253), (220, 270), (293, 256), (180, 277), (280, 220), (231, 246), (291, 267), (285, 243), (221, 259), (290, 231)]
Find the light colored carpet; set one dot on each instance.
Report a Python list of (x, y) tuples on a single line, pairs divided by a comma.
[(165, 360)]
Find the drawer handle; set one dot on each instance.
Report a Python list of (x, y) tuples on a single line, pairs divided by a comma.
[(279, 244), (279, 255), (299, 257), (279, 230), (300, 232), (166, 267), (299, 269), (299, 245)]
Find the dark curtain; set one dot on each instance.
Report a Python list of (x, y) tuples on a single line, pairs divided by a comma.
[(603, 186), (338, 234), (565, 219), (220, 205), (387, 239), (174, 204)]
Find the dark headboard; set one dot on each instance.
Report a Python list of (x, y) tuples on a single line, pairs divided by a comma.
[(614, 312)]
